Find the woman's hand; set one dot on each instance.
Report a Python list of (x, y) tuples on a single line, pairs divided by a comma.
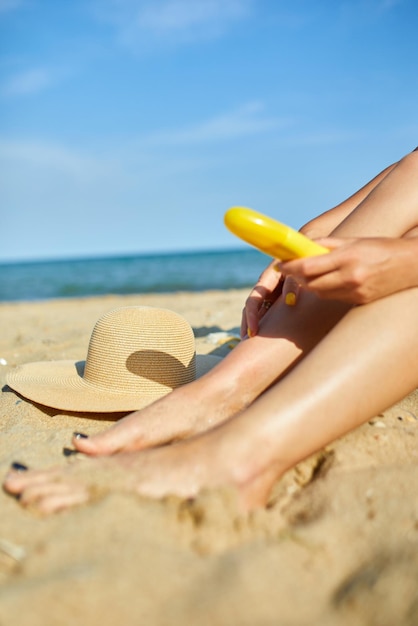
[(264, 294), (358, 271), (261, 297)]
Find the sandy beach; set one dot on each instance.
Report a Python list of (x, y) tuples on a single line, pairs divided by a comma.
[(337, 546)]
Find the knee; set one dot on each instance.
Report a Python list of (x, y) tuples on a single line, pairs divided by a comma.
[(410, 161)]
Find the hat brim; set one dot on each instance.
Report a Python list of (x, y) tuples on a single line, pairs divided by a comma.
[(60, 385)]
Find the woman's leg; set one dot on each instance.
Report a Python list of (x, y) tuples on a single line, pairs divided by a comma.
[(286, 335), (389, 210), (368, 361)]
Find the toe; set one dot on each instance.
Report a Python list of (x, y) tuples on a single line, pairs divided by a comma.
[(54, 503), (52, 497), (16, 481), (113, 440)]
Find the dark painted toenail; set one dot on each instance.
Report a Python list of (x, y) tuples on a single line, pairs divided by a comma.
[(80, 436), (69, 451), (19, 467)]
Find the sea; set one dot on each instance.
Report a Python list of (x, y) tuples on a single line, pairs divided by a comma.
[(131, 274)]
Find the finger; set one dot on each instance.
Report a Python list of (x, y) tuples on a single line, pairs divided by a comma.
[(335, 287), (252, 314), (309, 267), (244, 324), (271, 293), (290, 291), (266, 291)]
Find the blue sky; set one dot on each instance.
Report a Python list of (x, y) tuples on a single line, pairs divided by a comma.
[(130, 126)]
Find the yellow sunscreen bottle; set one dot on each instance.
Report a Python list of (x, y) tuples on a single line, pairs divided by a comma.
[(269, 236)]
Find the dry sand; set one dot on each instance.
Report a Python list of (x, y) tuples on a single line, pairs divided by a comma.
[(338, 545)]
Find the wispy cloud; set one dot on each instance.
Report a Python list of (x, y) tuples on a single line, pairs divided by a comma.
[(249, 119), (9, 5), (143, 23), (26, 83), (54, 158)]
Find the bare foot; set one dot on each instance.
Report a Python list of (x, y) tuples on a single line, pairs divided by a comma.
[(182, 469), (184, 413)]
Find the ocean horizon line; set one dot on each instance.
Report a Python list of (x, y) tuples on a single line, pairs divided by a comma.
[(123, 255), (166, 272)]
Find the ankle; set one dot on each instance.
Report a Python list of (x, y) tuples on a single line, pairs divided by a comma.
[(245, 461)]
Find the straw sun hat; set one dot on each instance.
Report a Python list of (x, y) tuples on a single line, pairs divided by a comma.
[(135, 356)]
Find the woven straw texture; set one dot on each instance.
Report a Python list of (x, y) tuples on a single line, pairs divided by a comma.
[(135, 356)]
